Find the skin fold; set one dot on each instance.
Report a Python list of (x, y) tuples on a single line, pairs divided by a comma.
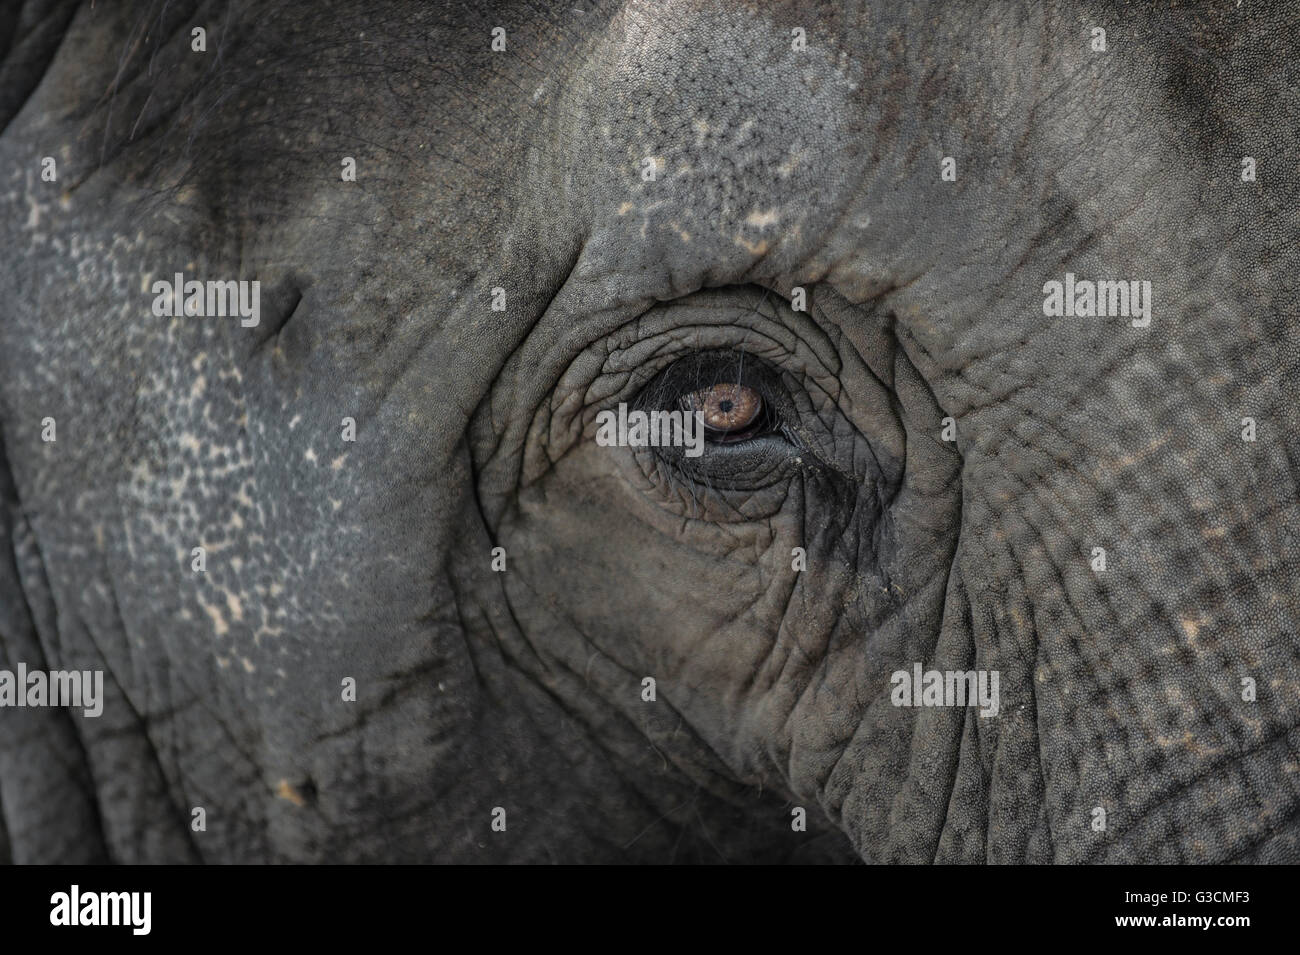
[(780, 170)]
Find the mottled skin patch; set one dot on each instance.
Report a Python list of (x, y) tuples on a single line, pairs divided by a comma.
[(775, 168)]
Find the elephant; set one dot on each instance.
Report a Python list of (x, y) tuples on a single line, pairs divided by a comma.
[(616, 432)]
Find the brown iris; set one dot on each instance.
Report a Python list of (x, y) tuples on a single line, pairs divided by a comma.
[(728, 408)]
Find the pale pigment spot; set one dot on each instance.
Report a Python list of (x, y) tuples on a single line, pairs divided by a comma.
[(625, 208), (218, 621), (248, 664), (266, 631), (310, 455), (762, 218), (1128, 460), (791, 163), (235, 607), (755, 248), (196, 390), (293, 422), (286, 792), (1189, 742), (337, 463)]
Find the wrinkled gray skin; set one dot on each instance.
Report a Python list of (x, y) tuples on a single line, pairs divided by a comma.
[(779, 168)]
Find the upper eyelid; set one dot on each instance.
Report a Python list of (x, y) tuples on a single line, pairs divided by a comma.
[(749, 370)]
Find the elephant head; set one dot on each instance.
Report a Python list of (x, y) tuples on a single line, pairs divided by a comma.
[(972, 539)]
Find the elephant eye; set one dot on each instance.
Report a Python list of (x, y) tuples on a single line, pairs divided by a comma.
[(741, 403), (731, 411)]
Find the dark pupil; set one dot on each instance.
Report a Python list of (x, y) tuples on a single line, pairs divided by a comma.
[(724, 406)]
